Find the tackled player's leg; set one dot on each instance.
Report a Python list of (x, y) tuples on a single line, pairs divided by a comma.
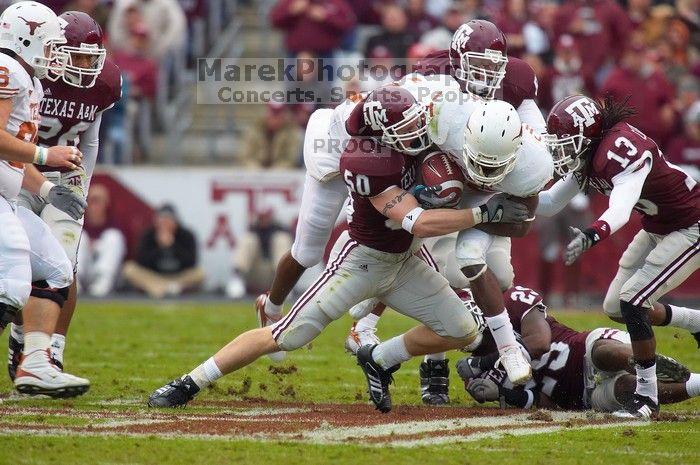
[(342, 285), (487, 289)]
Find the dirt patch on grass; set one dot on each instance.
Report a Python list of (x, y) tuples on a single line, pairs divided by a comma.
[(280, 421)]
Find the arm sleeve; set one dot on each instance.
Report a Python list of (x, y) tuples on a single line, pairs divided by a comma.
[(627, 188), (554, 199), (531, 115), (89, 144)]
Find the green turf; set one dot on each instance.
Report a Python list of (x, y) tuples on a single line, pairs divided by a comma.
[(128, 350)]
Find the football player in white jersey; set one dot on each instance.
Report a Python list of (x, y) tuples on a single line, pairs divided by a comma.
[(34, 271)]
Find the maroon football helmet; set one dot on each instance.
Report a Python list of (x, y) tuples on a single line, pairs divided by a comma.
[(478, 56), (401, 120), (86, 55), (571, 126)]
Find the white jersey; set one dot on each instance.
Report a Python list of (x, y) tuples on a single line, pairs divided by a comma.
[(429, 90), (325, 140), (26, 94), (533, 166)]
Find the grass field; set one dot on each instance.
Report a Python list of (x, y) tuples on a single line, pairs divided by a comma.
[(309, 409)]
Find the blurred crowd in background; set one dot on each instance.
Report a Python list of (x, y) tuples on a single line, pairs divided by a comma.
[(648, 50)]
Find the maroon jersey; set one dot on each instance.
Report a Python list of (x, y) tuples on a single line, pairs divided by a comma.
[(518, 85), (670, 199), (67, 111), (559, 373), (369, 169)]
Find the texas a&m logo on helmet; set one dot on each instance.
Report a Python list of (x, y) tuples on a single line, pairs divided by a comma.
[(583, 111)]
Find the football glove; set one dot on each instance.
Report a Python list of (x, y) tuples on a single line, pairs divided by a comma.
[(582, 241), (483, 390), (500, 209), (428, 197), (67, 201)]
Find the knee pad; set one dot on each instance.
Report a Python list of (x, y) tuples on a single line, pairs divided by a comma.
[(307, 256), (637, 321), (41, 290), (297, 336), (611, 306), (7, 314)]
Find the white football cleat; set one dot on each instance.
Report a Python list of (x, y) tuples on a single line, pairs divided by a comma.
[(357, 339), (37, 375), (265, 320), (516, 365)]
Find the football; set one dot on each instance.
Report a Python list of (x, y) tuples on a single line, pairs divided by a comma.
[(438, 168)]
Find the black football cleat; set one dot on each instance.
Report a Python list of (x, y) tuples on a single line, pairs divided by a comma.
[(174, 394), (14, 356), (639, 407), (669, 370), (435, 382), (378, 379)]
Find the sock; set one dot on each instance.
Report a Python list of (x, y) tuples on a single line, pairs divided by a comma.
[(501, 330), (685, 318), (36, 340), (58, 345), (390, 353), (692, 386), (438, 357), (17, 332), (206, 373), (368, 322), (646, 382), (272, 309)]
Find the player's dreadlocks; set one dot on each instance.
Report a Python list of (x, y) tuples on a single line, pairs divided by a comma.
[(613, 112)]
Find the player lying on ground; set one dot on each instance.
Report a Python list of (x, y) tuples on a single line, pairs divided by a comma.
[(577, 370), (34, 270), (71, 112), (592, 146), (375, 257)]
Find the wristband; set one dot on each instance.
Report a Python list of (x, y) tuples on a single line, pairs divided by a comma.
[(598, 230), (45, 188), (480, 214), (40, 154), (410, 219)]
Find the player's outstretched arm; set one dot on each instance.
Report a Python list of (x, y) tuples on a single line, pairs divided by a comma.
[(15, 149), (554, 199), (536, 333), (627, 189), (402, 207)]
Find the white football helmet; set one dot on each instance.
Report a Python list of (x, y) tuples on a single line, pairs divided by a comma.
[(33, 32), (492, 138)]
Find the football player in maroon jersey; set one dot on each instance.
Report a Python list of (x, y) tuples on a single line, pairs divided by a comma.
[(375, 257), (592, 146), (71, 112), (573, 370), (477, 59)]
